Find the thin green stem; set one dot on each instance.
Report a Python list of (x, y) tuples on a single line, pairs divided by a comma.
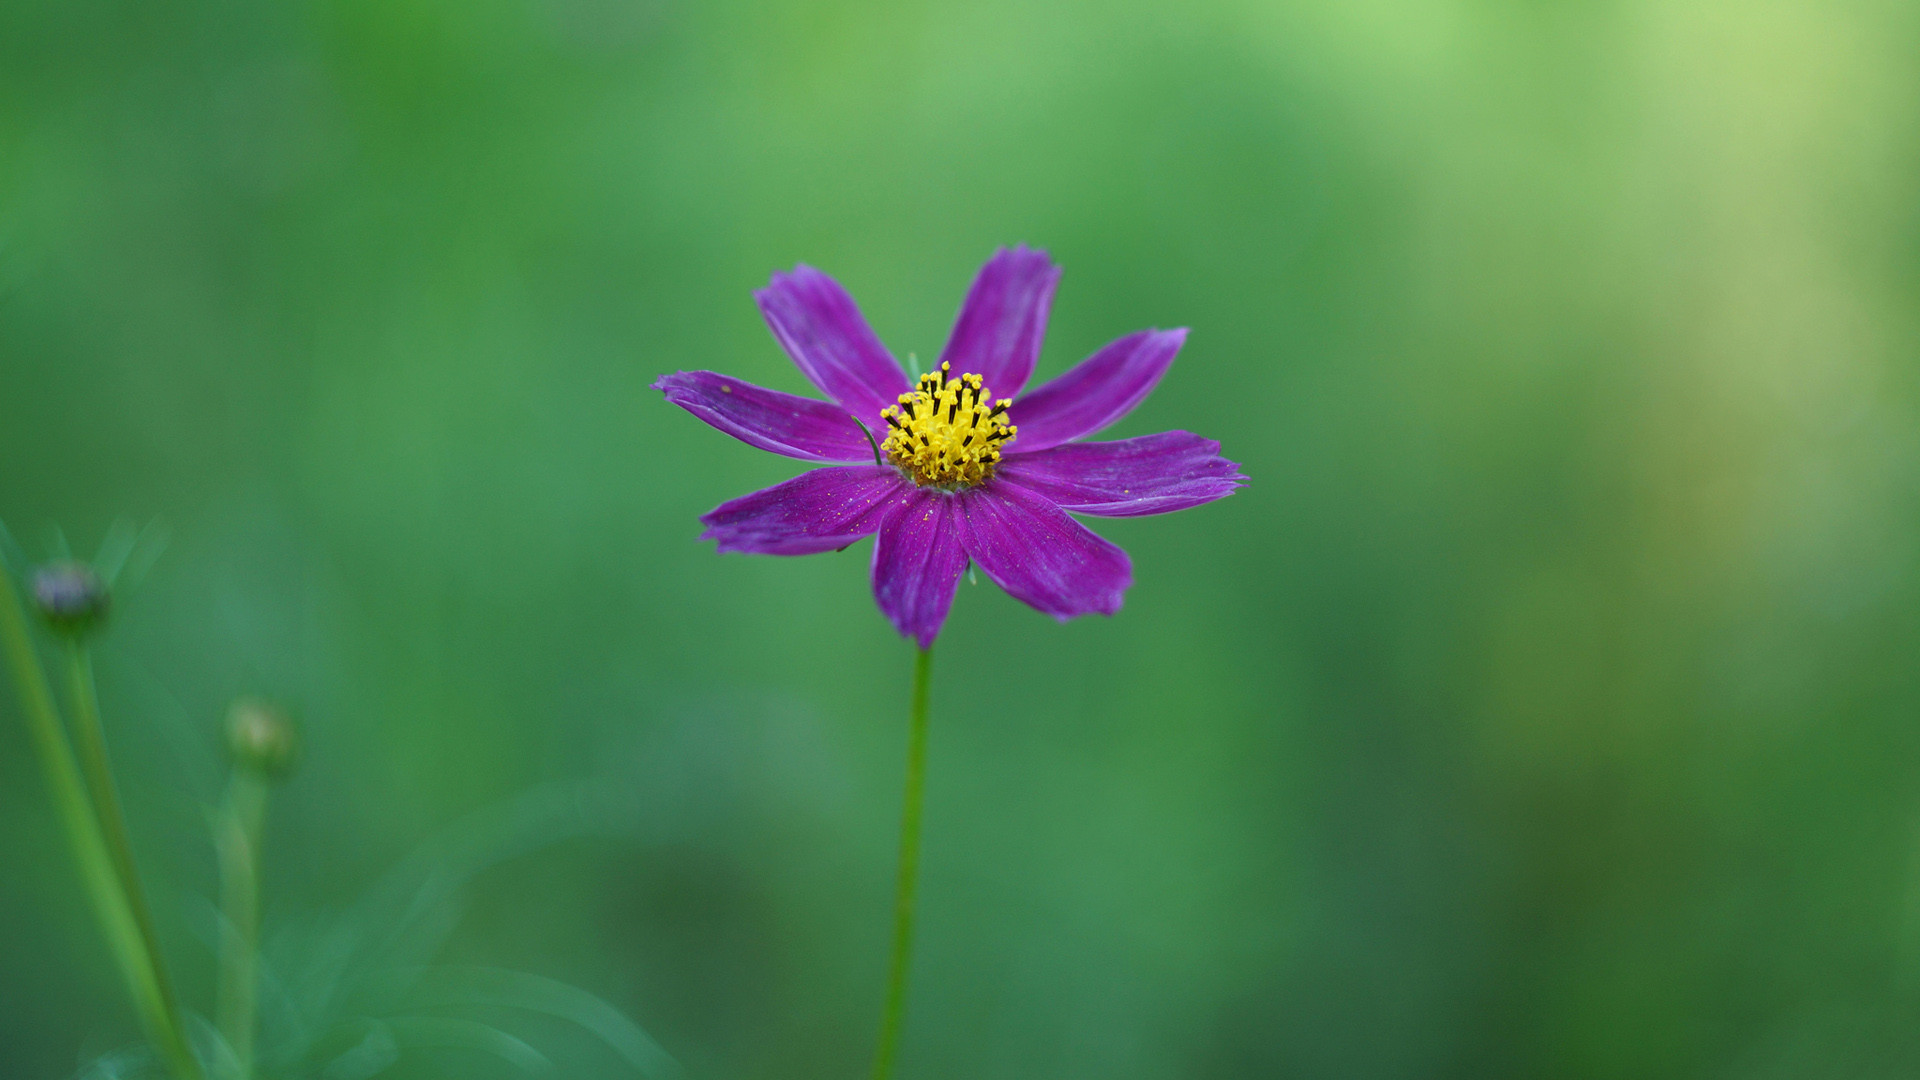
[(896, 1007), (237, 841), (77, 818), (91, 742)]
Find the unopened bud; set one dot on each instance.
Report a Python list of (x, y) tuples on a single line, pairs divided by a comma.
[(71, 597), (261, 737)]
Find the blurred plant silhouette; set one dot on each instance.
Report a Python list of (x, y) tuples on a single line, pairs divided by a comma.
[(343, 999)]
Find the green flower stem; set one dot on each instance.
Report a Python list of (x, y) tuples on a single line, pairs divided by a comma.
[(91, 742), (896, 1007), (90, 850), (237, 841)]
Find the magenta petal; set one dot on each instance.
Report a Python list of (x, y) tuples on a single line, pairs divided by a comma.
[(783, 423), (816, 511), (1095, 392), (917, 561), (822, 329), (1153, 474), (1003, 320), (1032, 549)]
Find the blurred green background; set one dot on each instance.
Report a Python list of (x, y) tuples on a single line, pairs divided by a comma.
[(1545, 707)]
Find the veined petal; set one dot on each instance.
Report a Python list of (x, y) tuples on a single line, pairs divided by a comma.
[(917, 560), (1095, 392), (1044, 558), (816, 511), (1004, 319), (769, 419), (1153, 474), (822, 329)]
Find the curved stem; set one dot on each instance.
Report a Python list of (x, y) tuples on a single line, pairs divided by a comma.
[(83, 828), (92, 745), (896, 1007)]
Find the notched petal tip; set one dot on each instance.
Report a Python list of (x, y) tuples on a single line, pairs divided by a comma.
[(802, 275), (1026, 252)]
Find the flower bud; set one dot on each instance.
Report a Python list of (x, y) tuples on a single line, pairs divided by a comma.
[(261, 737), (70, 597)]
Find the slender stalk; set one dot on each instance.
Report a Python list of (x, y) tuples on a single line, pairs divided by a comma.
[(91, 742), (89, 846), (237, 842), (896, 1007)]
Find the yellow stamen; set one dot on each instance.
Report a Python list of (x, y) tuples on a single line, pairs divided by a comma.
[(947, 433)]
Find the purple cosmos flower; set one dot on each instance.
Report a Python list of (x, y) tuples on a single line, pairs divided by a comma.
[(960, 474)]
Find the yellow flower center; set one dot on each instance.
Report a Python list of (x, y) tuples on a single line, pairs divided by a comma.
[(945, 434)]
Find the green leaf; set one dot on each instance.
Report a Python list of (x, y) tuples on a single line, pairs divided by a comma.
[(495, 987), (427, 1032), (370, 1057)]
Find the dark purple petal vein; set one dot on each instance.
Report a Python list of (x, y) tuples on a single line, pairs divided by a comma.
[(1044, 558), (769, 419), (1153, 474), (1095, 392), (816, 511), (917, 560), (822, 329), (1003, 320)]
